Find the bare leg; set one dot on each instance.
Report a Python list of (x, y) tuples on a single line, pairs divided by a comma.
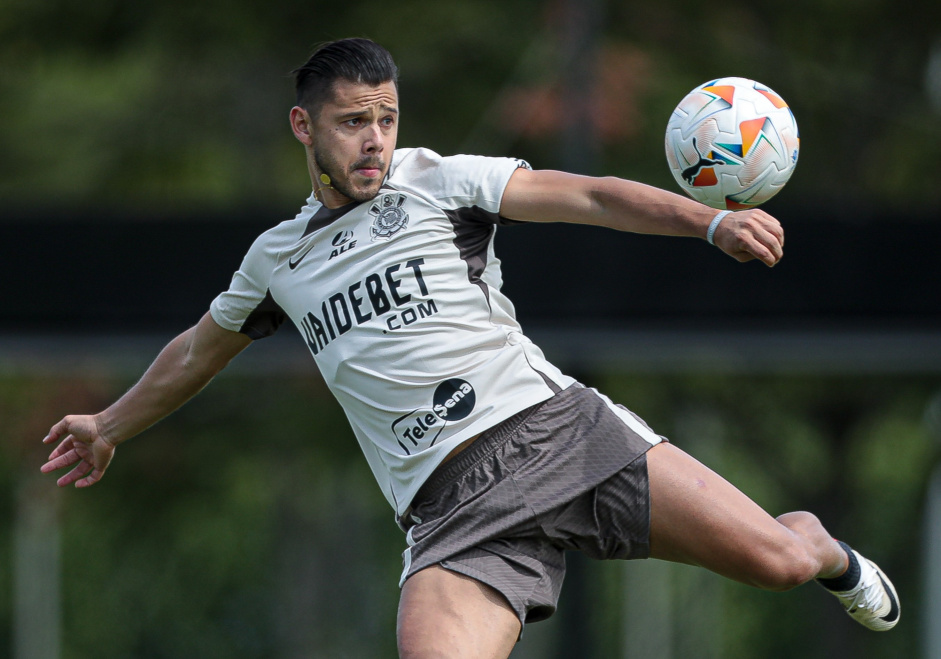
[(443, 614), (699, 518)]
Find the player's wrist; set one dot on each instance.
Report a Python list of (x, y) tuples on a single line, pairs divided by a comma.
[(105, 428), (714, 225)]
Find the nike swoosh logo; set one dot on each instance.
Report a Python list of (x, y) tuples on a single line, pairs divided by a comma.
[(292, 263), (894, 610)]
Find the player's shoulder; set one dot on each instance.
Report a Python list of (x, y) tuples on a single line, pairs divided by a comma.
[(457, 180), (417, 160), (413, 160), (286, 233)]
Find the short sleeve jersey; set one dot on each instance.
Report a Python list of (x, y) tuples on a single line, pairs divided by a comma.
[(398, 299)]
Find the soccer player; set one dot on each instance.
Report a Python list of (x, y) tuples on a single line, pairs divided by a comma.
[(494, 461)]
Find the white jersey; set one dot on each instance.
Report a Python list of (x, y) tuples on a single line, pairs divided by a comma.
[(398, 299)]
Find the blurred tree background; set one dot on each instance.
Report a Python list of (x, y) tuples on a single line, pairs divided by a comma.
[(177, 103), (247, 525)]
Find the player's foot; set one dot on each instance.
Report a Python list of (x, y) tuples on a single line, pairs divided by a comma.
[(872, 602)]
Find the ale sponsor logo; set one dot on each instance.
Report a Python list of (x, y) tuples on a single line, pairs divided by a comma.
[(342, 242)]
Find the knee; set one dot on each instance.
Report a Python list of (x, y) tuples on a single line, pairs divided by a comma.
[(408, 649), (787, 566), (441, 639), (793, 556), (800, 550), (420, 641), (414, 643), (446, 615)]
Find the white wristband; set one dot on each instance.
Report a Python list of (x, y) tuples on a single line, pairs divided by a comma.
[(715, 225)]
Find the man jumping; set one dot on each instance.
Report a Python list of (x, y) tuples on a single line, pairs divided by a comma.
[(495, 461)]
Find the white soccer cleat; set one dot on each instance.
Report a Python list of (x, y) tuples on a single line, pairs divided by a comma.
[(873, 603)]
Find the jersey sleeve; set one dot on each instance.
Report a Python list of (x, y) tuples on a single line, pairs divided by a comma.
[(462, 181), (247, 306)]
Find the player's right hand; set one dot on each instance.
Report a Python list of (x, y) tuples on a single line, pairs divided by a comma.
[(82, 445)]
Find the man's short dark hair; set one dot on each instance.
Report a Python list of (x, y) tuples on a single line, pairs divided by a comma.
[(354, 60)]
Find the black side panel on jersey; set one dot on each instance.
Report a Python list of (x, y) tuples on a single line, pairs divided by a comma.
[(474, 228), (264, 320)]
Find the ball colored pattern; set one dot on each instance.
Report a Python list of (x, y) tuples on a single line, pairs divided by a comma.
[(732, 143)]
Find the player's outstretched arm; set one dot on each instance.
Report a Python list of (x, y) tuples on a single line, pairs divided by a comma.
[(551, 196), (178, 373)]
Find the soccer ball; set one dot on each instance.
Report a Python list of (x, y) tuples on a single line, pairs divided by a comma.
[(732, 143)]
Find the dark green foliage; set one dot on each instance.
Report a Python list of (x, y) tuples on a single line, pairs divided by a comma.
[(176, 104)]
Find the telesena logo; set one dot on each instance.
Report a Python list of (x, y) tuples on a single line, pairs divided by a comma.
[(453, 400)]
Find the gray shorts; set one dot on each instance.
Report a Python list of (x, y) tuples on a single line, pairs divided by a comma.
[(568, 473)]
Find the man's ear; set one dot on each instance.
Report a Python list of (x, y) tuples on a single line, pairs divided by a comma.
[(301, 125)]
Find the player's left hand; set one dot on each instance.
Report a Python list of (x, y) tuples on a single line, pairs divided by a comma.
[(751, 234), (82, 445)]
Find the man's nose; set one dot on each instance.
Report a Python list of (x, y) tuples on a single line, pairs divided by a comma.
[(373, 139)]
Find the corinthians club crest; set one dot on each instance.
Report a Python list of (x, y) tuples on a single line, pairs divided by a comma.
[(390, 218)]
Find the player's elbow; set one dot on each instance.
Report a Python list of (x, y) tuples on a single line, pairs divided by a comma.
[(198, 365), (198, 370)]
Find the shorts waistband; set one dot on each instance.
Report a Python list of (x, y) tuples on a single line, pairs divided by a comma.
[(488, 442)]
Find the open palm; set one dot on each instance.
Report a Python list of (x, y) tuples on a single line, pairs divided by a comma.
[(83, 446)]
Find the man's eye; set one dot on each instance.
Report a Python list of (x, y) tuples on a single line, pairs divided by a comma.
[(354, 122)]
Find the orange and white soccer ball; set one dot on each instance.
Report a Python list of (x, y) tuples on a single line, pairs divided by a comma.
[(732, 143)]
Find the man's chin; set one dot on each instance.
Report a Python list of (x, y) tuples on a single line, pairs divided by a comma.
[(365, 193)]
